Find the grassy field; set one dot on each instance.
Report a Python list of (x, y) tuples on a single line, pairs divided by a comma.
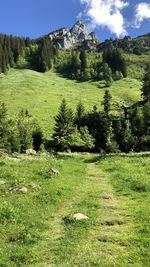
[(38, 230), (41, 94)]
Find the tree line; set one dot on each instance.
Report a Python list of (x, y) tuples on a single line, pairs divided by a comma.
[(10, 49), (33, 54), (77, 66), (41, 54)]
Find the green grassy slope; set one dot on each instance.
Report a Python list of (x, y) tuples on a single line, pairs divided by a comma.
[(41, 94), (37, 228)]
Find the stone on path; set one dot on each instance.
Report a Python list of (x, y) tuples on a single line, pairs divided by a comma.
[(80, 217)]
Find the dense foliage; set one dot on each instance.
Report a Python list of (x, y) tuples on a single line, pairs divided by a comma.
[(20, 134), (138, 46), (24, 52), (102, 131), (10, 49), (80, 65)]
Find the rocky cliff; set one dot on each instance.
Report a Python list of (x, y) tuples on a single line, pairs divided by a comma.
[(77, 35)]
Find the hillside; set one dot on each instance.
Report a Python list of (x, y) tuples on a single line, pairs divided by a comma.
[(139, 45), (41, 93)]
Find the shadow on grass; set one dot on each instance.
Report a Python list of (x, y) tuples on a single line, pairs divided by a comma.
[(102, 157)]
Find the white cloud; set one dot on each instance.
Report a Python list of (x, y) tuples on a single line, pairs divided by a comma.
[(142, 13), (106, 13)]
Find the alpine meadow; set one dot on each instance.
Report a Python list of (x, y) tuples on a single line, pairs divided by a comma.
[(75, 148)]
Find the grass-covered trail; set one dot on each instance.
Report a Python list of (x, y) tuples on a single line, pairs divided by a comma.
[(38, 228), (103, 240)]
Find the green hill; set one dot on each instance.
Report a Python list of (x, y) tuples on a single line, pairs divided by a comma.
[(41, 93)]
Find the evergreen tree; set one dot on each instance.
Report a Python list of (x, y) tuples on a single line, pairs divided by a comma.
[(75, 63), (110, 143), (83, 58), (116, 61), (107, 102), (88, 141), (146, 119), (137, 121), (80, 112), (64, 127), (128, 140), (107, 74), (146, 84), (4, 126), (37, 136)]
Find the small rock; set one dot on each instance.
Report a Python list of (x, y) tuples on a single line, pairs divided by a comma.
[(30, 151), (107, 196), (53, 171), (80, 217), (2, 182), (21, 189)]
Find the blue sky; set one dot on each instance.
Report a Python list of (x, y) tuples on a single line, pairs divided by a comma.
[(108, 18)]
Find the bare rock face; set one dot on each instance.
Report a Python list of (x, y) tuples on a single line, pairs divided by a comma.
[(78, 34)]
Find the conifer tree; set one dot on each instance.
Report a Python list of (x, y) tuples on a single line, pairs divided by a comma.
[(4, 126), (83, 58), (64, 126), (146, 114), (146, 84), (107, 102), (128, 139)]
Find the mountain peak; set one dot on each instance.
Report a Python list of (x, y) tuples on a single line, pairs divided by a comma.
[(79, 33)]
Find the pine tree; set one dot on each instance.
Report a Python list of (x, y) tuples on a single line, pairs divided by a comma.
[(110, 143), (107, 74), (83, 58), (116, 61), (146, 84), (146, 114), (4, 126), (107, 102), (75, 62), (137, 121), (64, 127), (128, 140), (80, 110)]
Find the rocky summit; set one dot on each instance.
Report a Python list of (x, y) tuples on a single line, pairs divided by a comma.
[(77, 35)]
